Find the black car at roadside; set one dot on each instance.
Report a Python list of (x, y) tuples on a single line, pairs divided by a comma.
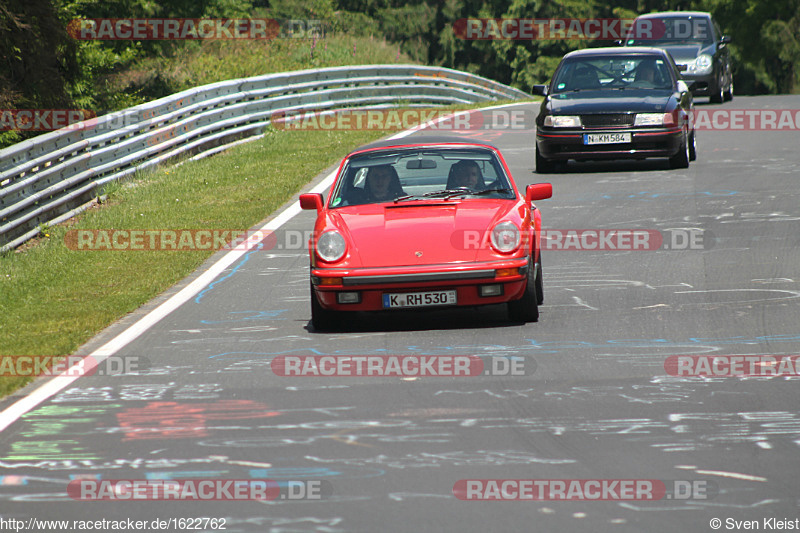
[(615, 103), (694, 39)]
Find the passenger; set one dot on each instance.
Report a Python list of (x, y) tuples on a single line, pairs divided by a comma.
[(466, 173)]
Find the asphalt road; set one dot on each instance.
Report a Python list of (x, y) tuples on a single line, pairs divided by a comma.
[(596, 401)]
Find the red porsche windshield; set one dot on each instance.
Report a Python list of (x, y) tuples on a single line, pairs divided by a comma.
[(402, 174)]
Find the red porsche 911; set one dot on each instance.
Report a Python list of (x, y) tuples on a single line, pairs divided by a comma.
[(425, 222)]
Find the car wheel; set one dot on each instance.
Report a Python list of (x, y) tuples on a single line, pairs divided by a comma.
[(692, 146), (544, 166), (539, 282), (716, 95), (681, 159), (526, 309), (322, 319), (728, 96)]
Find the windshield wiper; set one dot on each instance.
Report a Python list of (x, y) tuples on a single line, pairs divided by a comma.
[(434, 194), (486, 191), (477, 193), (407, 197)]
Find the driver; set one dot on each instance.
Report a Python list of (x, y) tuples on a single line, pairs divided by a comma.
[(382, 184), (646, 73)]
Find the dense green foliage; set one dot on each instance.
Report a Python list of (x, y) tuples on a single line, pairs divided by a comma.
[(43, 67)]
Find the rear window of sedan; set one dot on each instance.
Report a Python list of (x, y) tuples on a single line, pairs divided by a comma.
[(612, 72), (389, 175)]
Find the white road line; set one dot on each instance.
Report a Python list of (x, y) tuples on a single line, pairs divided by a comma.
[(13, 412), (734, 475)]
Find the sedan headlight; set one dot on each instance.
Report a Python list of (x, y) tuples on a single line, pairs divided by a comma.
[(649, 119), (505, 237), (701, 65), (331, 246), (562, 121)]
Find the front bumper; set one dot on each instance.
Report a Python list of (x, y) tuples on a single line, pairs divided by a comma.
[(562, 145), (465, 279), (703, 82)]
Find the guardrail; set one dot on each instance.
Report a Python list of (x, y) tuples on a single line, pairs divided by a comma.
[(52, 177)]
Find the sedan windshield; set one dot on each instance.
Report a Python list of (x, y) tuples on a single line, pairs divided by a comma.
[(671, 31), (612, 72), (424, 174)]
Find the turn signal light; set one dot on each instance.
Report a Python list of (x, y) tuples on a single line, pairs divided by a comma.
[(506, 272)]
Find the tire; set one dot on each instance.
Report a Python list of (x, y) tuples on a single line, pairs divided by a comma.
[(728, 95), (539, 282), (322, 319), (692, 146), (526, 309), (681, 159), (715, 94), (544, 166)]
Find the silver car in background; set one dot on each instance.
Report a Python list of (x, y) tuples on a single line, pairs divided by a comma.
[(697, 45)]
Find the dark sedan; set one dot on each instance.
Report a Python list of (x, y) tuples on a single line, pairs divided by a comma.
[(615, 103)]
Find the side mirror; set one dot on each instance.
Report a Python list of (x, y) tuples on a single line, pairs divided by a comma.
[(311, 201), (682, 67), (540, 90), (538, 191), (725, 39)]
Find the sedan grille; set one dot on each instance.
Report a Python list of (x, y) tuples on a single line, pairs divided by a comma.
[(607, 120)]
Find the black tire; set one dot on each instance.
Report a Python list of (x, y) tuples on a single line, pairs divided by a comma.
[(728, 95), (681, 159), (715, 94), (526, 309), (544, 166), (539, 282), (692, 146), (322, 319)]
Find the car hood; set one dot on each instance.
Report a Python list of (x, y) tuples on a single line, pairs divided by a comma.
[(688, 52), (609, 101), (419, 233)]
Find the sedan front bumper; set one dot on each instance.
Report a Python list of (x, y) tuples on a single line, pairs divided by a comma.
[(564, 145)]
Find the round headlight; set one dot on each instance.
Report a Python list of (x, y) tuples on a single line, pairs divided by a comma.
[(505, 237), (331, 246), (703, 62)]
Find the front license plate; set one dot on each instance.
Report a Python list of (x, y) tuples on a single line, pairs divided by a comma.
[(606, 138), (419, 299)]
